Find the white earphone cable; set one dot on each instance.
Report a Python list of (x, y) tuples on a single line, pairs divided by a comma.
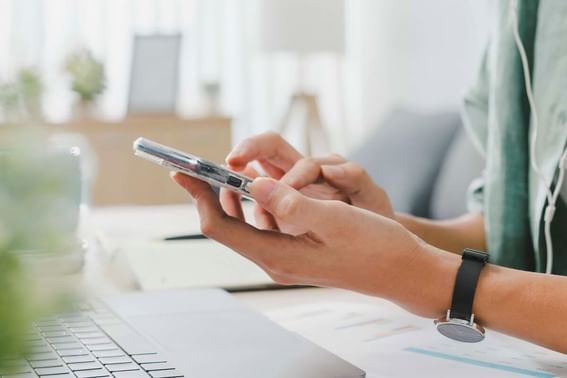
[(552, 197)]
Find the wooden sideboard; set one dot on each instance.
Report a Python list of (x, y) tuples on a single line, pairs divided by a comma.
[(123, 178)]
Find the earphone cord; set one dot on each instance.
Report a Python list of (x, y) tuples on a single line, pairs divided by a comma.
[(551, 196)]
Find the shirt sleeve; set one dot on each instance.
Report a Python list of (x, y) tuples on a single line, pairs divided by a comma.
[(475, 119), (475, 106)]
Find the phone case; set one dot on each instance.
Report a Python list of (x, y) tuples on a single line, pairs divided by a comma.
[(194, 166)]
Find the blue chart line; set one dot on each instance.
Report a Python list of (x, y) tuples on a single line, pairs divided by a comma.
[(472, 361)]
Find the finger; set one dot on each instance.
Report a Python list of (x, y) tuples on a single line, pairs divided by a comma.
[(231, 204), (308, 170), (271, 169), (291, 207), (266, 248), (250, 171), (355, 182), (264, 220), (268, 146)]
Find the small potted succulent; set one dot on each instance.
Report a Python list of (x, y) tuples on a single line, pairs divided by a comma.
[(88, 79)]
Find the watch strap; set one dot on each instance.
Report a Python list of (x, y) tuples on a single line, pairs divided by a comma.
[(466, 282)]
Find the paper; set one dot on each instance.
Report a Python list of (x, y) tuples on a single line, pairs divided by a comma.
[(388, 342), (131, 239)]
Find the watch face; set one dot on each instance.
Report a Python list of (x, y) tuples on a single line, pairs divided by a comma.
[(461, 331)]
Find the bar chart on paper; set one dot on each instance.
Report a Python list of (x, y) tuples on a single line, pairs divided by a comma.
[(387, 342)]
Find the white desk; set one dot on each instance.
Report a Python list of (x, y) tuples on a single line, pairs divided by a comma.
[(369, 332)]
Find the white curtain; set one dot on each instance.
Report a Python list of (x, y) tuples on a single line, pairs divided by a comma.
[(219, 45)]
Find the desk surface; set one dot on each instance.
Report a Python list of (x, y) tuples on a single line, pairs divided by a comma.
[(371, 333)]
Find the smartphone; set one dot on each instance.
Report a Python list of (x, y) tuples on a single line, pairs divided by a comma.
[(194, 166)]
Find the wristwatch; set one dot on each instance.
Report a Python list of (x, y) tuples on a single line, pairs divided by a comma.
[(459, 323)]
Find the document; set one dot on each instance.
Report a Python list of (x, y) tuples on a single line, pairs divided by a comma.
[(388, 342)]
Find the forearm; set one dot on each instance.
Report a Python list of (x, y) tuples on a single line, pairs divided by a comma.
[(452, 235), (530, 306)]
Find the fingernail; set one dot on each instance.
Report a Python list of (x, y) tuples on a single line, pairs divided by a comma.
[(234, 153), (332, 170), (262, 188)]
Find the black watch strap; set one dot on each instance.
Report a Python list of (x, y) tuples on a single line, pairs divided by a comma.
[(465, 284)]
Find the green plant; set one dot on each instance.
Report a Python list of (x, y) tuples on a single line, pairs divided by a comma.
[(35, 208), (20, 98), (30, 87), (87, 74), (9, 100)]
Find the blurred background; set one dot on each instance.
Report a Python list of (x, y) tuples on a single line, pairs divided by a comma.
[(421, 54), (380, 81)]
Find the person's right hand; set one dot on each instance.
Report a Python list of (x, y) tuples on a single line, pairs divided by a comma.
[(331, 178), (350, 179)]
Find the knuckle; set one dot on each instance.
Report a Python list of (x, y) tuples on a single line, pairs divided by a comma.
[(272, 136), (207, 227), (287, 207), (338, 157), (357, 171), (307, 162)]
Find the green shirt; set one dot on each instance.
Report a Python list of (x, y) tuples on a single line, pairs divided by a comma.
[(497, 115)]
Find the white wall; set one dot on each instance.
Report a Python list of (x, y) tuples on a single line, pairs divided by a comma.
[(423, 54)]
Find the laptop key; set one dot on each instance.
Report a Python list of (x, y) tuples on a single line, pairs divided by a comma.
[(85, 329), (166, 374), (77, 359), (72, 352), (16, 368), (61, 339), (66, 346), (84, 366), (157, 366), (96, 373), (114, 360), (55, 333), (131, 374), (108, 353), (42, 356), (130, 341), (46, 363), (122, 367), (52, 371), (148, 358), (97, 341), (89, 335), (101, 347), (22, 375), (41, 349)]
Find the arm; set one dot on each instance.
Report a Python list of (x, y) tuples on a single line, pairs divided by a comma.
[(452, 235), (356, 249), (526, 305)]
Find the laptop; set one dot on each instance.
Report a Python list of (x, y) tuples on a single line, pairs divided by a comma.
[(202, 333)]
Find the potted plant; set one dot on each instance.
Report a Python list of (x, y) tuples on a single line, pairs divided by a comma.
[(20, 98), (88, 79)]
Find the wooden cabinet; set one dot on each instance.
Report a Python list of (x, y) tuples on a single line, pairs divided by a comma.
[(123, 178)]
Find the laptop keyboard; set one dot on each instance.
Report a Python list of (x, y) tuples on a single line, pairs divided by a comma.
[(89, 343)]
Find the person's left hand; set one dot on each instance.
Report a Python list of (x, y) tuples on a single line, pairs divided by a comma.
[(343, 246)]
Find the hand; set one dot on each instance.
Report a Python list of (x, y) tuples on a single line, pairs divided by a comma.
[(276, 157), (343, 246), (322, 178), (351, 180)]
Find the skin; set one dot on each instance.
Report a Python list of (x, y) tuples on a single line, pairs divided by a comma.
[(324, 222)]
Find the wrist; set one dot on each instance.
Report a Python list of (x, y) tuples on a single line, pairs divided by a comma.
[(430, 279)]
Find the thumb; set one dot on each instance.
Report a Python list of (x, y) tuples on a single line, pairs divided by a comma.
[(289, 205)]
